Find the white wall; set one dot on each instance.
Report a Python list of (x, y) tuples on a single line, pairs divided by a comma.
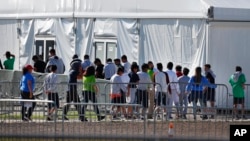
[(229, 46), (9, 40)]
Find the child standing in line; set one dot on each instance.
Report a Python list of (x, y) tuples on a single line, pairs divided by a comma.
[(50, 84)]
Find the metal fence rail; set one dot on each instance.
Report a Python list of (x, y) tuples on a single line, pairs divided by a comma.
[(155, 127)]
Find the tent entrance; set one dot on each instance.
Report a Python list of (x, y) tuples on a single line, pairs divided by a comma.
[(42, 46), (105, 48)]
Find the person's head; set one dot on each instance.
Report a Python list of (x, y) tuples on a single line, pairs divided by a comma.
[(170, 65), (238, 68), (117, 61), (198, 71), (7, 54), (144, 67), (185, 71), (35, 58), (150, 65), (207, 67), (75, 56), (124, 58), (89, 71), (120, 70), (27, 68), (53, 68), (97, 61), (197, 75), (109, 60), (134, 67), (86, 56), (52, 52), (178, 68), (159, 66)]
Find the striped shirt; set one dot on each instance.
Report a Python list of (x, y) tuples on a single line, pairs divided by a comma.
[(50, 83)]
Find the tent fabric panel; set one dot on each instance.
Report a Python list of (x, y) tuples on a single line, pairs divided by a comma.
[(228, 47), (9, 40), (62, 29), (177, 40), (84, 37)]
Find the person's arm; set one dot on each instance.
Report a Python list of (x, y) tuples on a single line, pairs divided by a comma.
[(121, 85), (1, 66), (243, 80), (94, 86), (12, 55), (189, 85), (30, 88)]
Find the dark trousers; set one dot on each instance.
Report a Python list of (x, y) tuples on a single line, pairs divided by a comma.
[(72, 96), (25, 95), (88, 95)]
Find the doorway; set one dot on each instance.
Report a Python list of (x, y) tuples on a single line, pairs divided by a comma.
[(42, 46), (105, 48)]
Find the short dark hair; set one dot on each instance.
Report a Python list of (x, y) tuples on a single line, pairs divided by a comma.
[(7, 54), (120, 69), (124, 57), (35, 57), (86, 56), (185, 71), (144, 66), (117, 60), (178, 68), (238, 68), (53, 67), (52, 51), (134, 66), (90, 71), (207, 65), (150, 62), (159, 66), (97, 60), (170, 65), (109, 60), (75, 56)]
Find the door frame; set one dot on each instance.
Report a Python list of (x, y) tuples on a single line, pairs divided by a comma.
[(105, 41), (44, 38)]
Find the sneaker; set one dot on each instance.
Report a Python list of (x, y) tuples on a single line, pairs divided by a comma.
[(170, 117), (204, 117), (184, 117), (65, 118), (150, 117), (25, 119), (101, 118), (129, 117), (83, 119), (198, 110), (244, 117), (212, 117), (237, 117), (142, 118), (158, 117), (49, 119), (114, 117)]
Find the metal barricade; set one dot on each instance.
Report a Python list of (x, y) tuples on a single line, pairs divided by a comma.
[(149, 128), (12, 124)]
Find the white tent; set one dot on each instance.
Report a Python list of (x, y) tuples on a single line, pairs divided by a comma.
[(187, 32)]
